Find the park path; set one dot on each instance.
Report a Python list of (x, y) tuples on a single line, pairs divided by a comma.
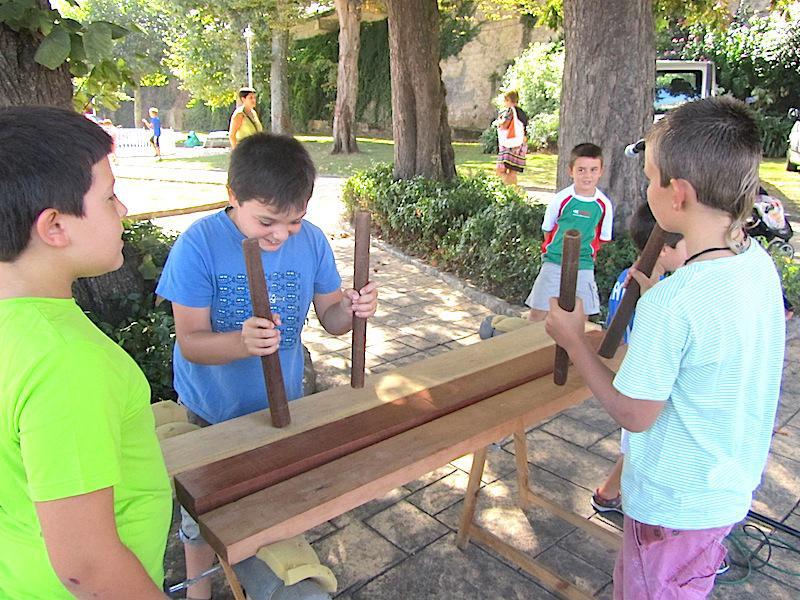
[(402, 545)]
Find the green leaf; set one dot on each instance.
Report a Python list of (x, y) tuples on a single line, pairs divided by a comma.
[(78, 69), (118, 31), (148, 269), (97, 41), (54, 49), (76, 52), (72, 25)]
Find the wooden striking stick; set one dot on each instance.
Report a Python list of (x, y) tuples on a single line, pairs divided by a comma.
[(270, 364), (647, 261), (360, 279), (566, 299)]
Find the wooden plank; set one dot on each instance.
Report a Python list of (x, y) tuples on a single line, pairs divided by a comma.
[(555, 583), (570, 256), (270, 364), (235, 436), (646, 263), (360, 279), (216, 484), (237, 530)]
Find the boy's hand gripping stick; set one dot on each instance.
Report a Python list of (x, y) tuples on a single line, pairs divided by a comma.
[(270, 364), (360, 279), (647, 261), (566, 298)]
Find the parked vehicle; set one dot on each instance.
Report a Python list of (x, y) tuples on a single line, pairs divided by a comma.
[(681, 81), (793, 151)]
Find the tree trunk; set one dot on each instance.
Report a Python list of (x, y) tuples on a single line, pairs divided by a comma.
[(137, 107), (23, 80), (607, 92), (279, 81), (419, 112), (182, 98), (344, 135)]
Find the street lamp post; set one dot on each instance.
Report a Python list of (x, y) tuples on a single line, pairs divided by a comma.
[(249, 34)]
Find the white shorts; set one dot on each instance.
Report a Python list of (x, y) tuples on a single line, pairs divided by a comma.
[(548, 284)]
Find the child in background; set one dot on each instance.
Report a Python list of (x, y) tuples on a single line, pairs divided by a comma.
[(155, 126), (512, 138), (700, 432), (583, 207), (607, 497)]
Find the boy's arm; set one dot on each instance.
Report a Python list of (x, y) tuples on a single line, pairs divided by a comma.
[(199, 344), (335, 310), (147, 123), (566, 328), (80, 533)]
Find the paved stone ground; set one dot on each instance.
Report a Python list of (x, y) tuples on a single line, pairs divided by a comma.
[(402, 545)]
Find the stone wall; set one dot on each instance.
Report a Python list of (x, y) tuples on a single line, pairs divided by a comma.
[(473, 76)]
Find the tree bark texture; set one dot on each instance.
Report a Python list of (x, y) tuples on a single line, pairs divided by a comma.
[(419, 112), (279, 81), (23, 80), (137, 107), (607, 92), (344, 135)]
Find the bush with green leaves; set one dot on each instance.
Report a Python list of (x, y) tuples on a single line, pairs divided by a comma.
[(475, 227), (536, 76), (145, 329), (757, 57)]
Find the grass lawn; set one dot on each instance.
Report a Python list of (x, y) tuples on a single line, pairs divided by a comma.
[(539, 173)]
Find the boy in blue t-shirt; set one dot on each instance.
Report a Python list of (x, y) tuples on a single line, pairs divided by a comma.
[(700, 432), (218, 373), (154, 125), (607, 497)]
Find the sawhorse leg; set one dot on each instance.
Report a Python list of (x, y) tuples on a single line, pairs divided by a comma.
[(468, 529), (233, 580)]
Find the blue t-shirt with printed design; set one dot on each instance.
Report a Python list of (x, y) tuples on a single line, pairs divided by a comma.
[(206, 268)]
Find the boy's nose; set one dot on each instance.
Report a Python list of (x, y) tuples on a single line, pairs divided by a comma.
[(122, 210)]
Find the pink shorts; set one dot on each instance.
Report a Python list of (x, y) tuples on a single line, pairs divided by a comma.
[(658, 563)]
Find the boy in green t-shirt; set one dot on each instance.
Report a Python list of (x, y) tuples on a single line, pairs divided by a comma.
[(85, 503), (581, 206)]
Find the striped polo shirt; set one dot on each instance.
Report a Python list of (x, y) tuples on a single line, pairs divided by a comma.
[(709, 342)]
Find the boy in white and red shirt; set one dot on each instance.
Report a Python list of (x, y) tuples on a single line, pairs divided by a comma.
[(583, 207)]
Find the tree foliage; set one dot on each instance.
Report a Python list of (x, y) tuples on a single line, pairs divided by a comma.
[(85, 47)]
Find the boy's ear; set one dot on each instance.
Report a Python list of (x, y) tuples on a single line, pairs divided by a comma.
[(232, 197), (50, 228), (682, 192)]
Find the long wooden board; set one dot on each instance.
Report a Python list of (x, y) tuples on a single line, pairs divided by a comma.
[(288, 508), (216, 484), (210, 444)]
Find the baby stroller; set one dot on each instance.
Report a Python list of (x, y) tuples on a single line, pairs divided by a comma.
[(769, 223)]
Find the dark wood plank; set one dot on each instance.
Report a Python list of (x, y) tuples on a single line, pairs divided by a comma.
[(360, 279), (571, 255), (271, 364)]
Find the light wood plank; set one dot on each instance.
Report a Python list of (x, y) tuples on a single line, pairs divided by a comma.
[(220, 441)]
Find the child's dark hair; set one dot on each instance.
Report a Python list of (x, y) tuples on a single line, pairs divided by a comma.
[(585, 150), (273, 169), (245, 92), (46, 160), (641, 226), (715, 145)]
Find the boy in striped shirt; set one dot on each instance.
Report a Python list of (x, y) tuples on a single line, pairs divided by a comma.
[(581, 206), (700, 428)]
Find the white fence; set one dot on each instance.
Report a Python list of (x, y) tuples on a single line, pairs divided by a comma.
[(136, 142)]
